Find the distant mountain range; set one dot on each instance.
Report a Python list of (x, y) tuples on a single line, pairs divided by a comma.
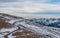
[(52, 22), (19, 27)]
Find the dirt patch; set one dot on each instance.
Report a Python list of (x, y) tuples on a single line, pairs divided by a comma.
[(4, 24), (26, 34)]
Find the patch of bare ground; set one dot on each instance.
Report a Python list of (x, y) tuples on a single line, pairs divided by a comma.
[(26, 34), (3, 24)]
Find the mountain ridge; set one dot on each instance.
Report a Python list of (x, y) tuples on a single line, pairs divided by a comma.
[(19, 27)]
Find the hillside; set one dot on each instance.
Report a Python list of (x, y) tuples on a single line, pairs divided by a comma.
[(19, 27)]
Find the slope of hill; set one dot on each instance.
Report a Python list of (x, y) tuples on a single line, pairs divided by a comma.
[(18, 27)]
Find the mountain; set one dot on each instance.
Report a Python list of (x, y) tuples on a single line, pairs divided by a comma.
[(52, 22), (19, 27)]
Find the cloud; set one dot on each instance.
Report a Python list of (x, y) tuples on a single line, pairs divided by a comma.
[(23, 0), (8, 0), (28, 6)]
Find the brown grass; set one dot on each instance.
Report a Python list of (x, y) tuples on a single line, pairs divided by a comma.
[(3, 24), (27, 34)]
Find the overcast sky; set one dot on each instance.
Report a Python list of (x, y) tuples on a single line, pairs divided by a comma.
[(31, 7)]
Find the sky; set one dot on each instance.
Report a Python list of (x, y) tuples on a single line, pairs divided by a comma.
[(31, 7)]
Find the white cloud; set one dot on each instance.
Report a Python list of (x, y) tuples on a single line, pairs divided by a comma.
[(38, 1), (29, 7)]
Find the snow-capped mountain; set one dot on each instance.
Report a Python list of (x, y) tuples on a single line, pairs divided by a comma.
[(52, 22), (18, 27)]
